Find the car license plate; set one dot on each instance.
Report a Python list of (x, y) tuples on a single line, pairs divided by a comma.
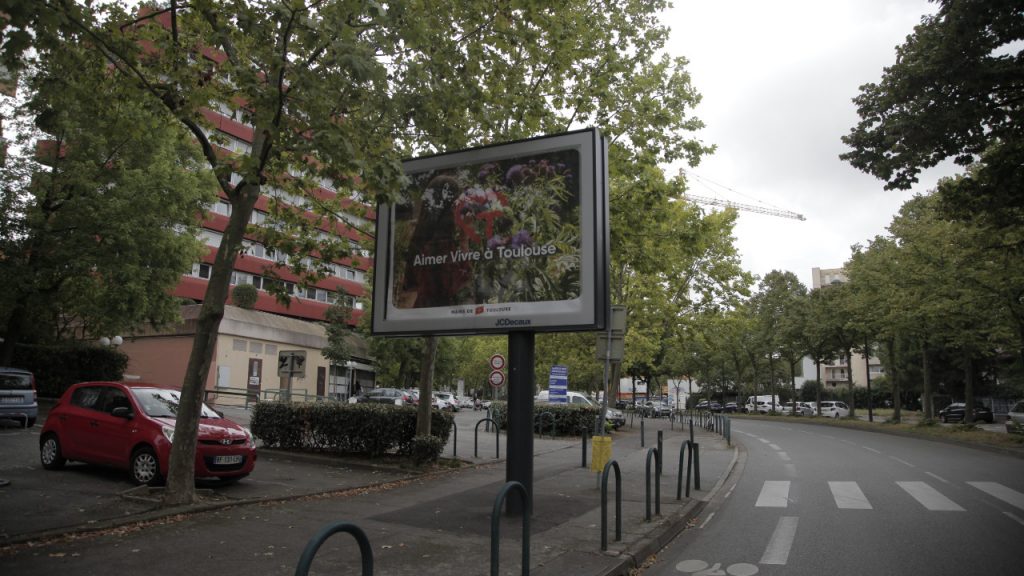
[(10, 399), (225, 460)]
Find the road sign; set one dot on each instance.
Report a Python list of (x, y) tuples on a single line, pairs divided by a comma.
[(497, 362), (496, 378), (291, 363), (558, 384)]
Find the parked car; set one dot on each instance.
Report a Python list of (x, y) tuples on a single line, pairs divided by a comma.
[(451, 402), (130, 425), (834, 409), (466, 402), (730, 407), (955, 413), (612, 415), (1015, 419), (385, 396), (715, 407), (652, 409), (18, 396), (805, 409)]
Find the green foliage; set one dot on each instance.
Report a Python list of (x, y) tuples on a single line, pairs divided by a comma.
[(338, 330), (367, 429), (245, 296), (425, 449), (568, 419), (954, 91), (96, 234), (56, 367)]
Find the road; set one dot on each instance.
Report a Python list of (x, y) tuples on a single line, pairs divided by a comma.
[(813, 500)]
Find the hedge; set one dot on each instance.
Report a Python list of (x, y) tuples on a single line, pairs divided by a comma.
[(57, 367), (569, 419), (366, 429)]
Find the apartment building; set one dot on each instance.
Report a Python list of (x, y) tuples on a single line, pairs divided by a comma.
[(837, 372)]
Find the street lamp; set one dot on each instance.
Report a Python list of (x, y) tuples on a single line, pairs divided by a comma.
[(115, 341)]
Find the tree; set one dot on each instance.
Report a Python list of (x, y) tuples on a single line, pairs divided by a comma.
[(100, 195), (339, 93), (338, 349), (954, 91), (777, 308), (245, 296)]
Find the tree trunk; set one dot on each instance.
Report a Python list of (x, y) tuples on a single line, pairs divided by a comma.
[(15, 327), (426, 386), (867, 372), (969, 389), (927, 409), (817, 393), (181, 475), (849, 381), (896, 396)]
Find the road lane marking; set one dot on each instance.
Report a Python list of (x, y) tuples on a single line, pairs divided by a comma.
[(774, 494), (706, 520), (774, 447), (1011, 497), (1018, 520), (937, 477), (929, 497), (765, 440), (870, 449), (902, 461), (777, 552), (784, 456), (848, 496)]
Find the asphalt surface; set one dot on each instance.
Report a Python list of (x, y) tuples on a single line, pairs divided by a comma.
[(91, 520)]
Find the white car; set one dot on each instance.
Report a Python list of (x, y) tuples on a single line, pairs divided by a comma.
[(465, 402), (834, 409), (448, 399)]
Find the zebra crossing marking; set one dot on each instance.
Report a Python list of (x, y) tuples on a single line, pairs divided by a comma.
[(929, 497), (996, 490), (774, 494), (848, 496)]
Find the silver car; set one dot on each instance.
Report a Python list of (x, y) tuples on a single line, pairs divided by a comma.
[(18, 396)]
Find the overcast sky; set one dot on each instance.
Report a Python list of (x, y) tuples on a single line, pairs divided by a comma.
[(777, 79)]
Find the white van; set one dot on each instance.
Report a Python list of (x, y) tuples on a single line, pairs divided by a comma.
[(762, 404), (616, 417)]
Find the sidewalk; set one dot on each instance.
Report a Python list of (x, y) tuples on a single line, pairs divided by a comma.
[(434, 523)]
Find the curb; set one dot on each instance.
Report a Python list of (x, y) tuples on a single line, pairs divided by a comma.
[(636, 555)]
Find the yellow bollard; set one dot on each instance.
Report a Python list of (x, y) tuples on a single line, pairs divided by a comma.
[(601, 448)]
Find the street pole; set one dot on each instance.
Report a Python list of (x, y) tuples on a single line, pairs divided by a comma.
[(519, 463)]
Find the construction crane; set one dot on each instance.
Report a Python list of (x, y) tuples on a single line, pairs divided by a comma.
[(746, 207), (737, 205)]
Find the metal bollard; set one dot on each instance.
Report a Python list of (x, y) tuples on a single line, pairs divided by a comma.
[(314, 544), (696, 465), (641, 432), (583, 463)]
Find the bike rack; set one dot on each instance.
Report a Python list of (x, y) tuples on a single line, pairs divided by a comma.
[(365, 550), (496, 525), (689, 467), (497, 437), (604, 504), (653, 452)]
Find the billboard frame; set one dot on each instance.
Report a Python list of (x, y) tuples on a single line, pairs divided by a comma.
[(586, 310)]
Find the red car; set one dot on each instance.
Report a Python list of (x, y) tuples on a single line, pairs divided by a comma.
[(130, 425)]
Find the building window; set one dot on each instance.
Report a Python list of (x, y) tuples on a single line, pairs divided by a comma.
[(270, 349), (201, 270), (256, 347), (238, 345)]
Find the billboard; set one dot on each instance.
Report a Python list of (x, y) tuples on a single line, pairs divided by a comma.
[(497, 239)]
